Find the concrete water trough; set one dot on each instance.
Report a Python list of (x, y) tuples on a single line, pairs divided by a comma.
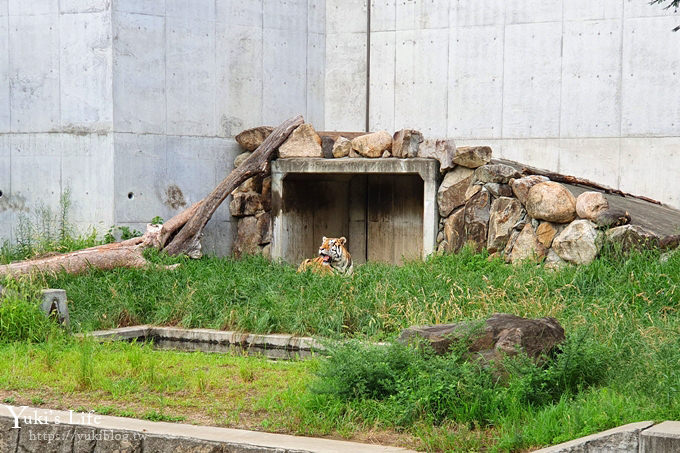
[(272, 346)]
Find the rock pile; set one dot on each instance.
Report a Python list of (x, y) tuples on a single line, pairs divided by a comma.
[(488, 205), (251, 201)]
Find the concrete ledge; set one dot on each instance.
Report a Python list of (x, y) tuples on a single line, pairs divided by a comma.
[(50, 430), (662, 438), (275, 346), (428, 169), (621, 439)]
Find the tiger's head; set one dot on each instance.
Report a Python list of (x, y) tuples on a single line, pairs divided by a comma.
[(334, 254)]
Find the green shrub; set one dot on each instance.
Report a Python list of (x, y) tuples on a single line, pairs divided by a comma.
[(413, 384)]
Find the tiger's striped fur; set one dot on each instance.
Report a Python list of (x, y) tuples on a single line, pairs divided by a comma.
[(333, 258)]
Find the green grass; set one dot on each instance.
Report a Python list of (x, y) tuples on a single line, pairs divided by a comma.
[(620, 313)]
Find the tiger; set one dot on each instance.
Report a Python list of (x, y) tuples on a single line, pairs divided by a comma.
[(333, 258)]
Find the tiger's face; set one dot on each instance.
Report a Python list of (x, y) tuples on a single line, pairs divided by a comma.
[(332, 249)]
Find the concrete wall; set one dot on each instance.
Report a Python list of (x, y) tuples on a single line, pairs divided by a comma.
[(133, 104), (583, 87)]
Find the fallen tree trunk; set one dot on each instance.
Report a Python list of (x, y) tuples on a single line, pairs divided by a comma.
[(179, 235)]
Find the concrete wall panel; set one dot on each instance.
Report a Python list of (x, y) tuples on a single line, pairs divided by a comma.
[(284, 88), (87, 170), (591, 65), (140, 176), (346, 16), (4, 8), (285, 14), (475, 98), (36, 169), (84, 6), (422, 81), (590, 10), (139, 67), (316, 78), (149, 7), (239, 78), (190, 9), (34, 72), (316, 16), (190, 76), (4, 76), (239, 12), (345, 87), (649, 166), (484, 12), (218, 237), (190, 169), (6, 211), (85, 71), (383, 15), (533, 11), (383, 48), (538, 152), (33, 7), (577, 157), (531, 86), (651, 69), (422, 14)]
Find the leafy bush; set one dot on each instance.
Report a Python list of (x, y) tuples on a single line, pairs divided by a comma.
[(415, 384)]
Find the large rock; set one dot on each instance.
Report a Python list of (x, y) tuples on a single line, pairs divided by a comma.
[(253, 184), (632, 237), (441, 150), (553, 261), (504, 214), (477, 213), (245, 204), (454, 231), (498, 173), (472, 156), (547, 231), (551, 201), (499, 336), (264, 230), (451, 193), (612, 217), (405, 143), (590, 204), (578, 243), (372, 145), (303, 142), (520, 187), (327, 144), (342, 147), (498, 190), (472, 190), (238, 161), (247, 237), (250, 139), (526, 246)]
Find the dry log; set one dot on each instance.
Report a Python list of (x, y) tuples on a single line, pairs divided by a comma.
[(109, 256), (180, 234), (188, 239)]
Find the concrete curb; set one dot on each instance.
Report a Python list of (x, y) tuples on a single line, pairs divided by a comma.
[(275, 346), (90, 432), (640, 437)]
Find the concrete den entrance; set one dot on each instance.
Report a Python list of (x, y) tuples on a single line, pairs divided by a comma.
[(386, 208)]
